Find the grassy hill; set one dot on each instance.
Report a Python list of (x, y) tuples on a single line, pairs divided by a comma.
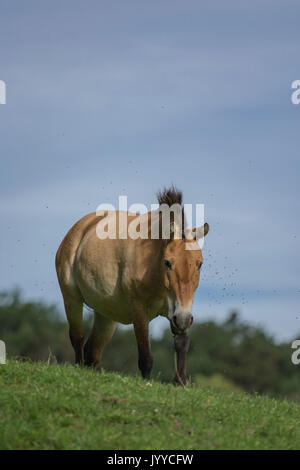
[(67, 407)]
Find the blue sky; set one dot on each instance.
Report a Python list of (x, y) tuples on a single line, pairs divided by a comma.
[(107, 98)]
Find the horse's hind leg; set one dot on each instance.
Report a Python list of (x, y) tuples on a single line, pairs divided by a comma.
[(73, 307), (103, 329)]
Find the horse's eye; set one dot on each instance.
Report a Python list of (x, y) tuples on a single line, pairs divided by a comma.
[(199, 266), (167, 264)]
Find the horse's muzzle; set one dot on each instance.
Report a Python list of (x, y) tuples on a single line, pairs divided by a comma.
[(181, 323)]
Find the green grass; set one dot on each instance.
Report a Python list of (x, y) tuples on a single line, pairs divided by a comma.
[(67, 407)]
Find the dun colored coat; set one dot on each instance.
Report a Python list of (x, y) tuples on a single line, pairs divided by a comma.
[(130, 281)]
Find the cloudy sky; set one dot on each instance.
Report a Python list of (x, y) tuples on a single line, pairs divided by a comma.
[(107, 98)]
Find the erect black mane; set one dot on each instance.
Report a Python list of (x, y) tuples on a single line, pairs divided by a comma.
[(169, 196)]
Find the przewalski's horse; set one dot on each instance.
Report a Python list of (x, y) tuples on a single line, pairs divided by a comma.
[(130, 281)]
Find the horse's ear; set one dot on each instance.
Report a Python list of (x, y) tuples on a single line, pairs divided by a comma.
[(200, 232)]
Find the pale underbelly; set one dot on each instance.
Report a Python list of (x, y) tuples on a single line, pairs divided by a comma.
[(115, 308), (118, 307), (109, 295)]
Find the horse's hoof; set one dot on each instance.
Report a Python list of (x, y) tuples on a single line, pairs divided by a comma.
[(179, 381)]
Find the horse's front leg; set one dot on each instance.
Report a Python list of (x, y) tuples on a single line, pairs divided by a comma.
[(141, 329), (181, 343)]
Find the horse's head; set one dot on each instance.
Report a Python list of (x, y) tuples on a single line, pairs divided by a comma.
[(182, 261)]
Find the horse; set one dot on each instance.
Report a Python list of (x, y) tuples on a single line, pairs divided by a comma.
[(130, 280)]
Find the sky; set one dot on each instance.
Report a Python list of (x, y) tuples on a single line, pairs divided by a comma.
[(111, 98)]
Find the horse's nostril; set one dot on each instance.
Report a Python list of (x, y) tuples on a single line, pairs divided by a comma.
[(174, 320), (192, 319)]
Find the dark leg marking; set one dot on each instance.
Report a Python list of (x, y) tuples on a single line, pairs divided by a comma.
[(181, 344)]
